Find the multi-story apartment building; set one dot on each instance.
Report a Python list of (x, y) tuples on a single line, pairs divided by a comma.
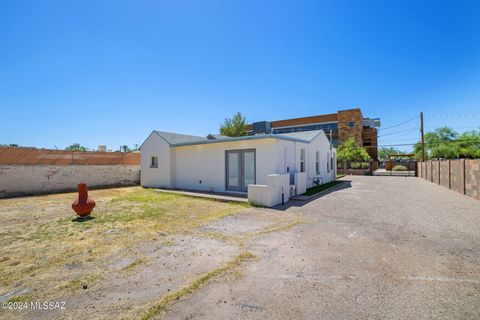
[(341, 125)]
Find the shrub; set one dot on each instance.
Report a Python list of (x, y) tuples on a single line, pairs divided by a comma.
[(350, 151), (365, 165), (399, 167), (355, 165)]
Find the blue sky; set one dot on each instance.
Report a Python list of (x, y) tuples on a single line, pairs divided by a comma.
[(108, 72)]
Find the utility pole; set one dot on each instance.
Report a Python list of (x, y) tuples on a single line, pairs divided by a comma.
[(421, 131)]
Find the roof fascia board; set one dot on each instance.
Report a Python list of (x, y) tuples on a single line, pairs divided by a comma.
[(258, 137)]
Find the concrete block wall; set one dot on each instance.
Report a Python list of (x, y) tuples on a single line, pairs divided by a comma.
[(444, 173), (16, 180), (462, 175), (457, 175), (436, 172), (428, 171), (472, 178)]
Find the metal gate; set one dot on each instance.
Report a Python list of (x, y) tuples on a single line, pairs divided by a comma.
[(397, 167)]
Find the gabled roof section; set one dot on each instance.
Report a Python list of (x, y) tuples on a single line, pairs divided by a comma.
[(176, 138)]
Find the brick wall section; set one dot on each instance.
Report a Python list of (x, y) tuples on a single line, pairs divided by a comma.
[(32, 156), (370, 135), (19, 180), (345, 131), (445, 174), (472, 178)]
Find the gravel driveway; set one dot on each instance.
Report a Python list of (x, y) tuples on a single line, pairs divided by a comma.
[(381, 248)]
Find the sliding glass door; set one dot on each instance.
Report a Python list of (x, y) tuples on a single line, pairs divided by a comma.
[(240, 169)]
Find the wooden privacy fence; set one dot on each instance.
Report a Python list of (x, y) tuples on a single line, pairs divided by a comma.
[(32, 156), (462, 175)]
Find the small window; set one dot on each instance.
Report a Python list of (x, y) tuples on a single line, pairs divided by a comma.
[(317, 162), (154, 162), (328, 162), (302, 160), (351, 124)]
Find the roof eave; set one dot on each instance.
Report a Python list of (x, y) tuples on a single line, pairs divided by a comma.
[(257, 137)]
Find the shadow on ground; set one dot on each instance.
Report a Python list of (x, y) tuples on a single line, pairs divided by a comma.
[(83, 219), (300, 203)]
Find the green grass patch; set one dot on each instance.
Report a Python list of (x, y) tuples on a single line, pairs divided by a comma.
[(314, 190), (167, 299)]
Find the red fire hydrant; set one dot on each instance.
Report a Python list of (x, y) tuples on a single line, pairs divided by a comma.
[(84, 205)]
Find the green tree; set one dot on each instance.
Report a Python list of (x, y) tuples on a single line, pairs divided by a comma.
[(234, 127), (447, 144), (469, 144), (444, 151), (76, 147), (384, 153), (350, 151), (125, 148)]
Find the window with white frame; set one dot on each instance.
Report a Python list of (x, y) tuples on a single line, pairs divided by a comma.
[(302, 160), (328, 162), (317, 162), (332, 162), (154, 162)]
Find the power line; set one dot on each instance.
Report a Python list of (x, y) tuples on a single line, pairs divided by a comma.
[(396, 132), (455, 116), (400, 124), (432, 144)]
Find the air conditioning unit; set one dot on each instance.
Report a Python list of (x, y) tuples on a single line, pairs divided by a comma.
[(262, 127)]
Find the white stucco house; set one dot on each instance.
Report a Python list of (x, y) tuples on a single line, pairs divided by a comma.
[(262, 166)]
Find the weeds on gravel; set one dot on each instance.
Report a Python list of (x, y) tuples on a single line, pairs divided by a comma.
[(165, 300), (279, 227), (135, 263)]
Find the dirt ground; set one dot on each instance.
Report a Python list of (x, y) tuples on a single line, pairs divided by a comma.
[(377, 248), (141, 246), (383, 248)]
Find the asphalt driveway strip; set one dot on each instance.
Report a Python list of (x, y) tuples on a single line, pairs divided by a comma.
[(383, 248)]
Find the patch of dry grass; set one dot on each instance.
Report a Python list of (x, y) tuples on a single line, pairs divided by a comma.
[(162, 304), (45, 248)]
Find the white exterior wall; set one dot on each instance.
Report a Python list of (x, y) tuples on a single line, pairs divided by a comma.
[(288, 155), (321, 144), (202, 166), (206, 163), (160, 177)]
